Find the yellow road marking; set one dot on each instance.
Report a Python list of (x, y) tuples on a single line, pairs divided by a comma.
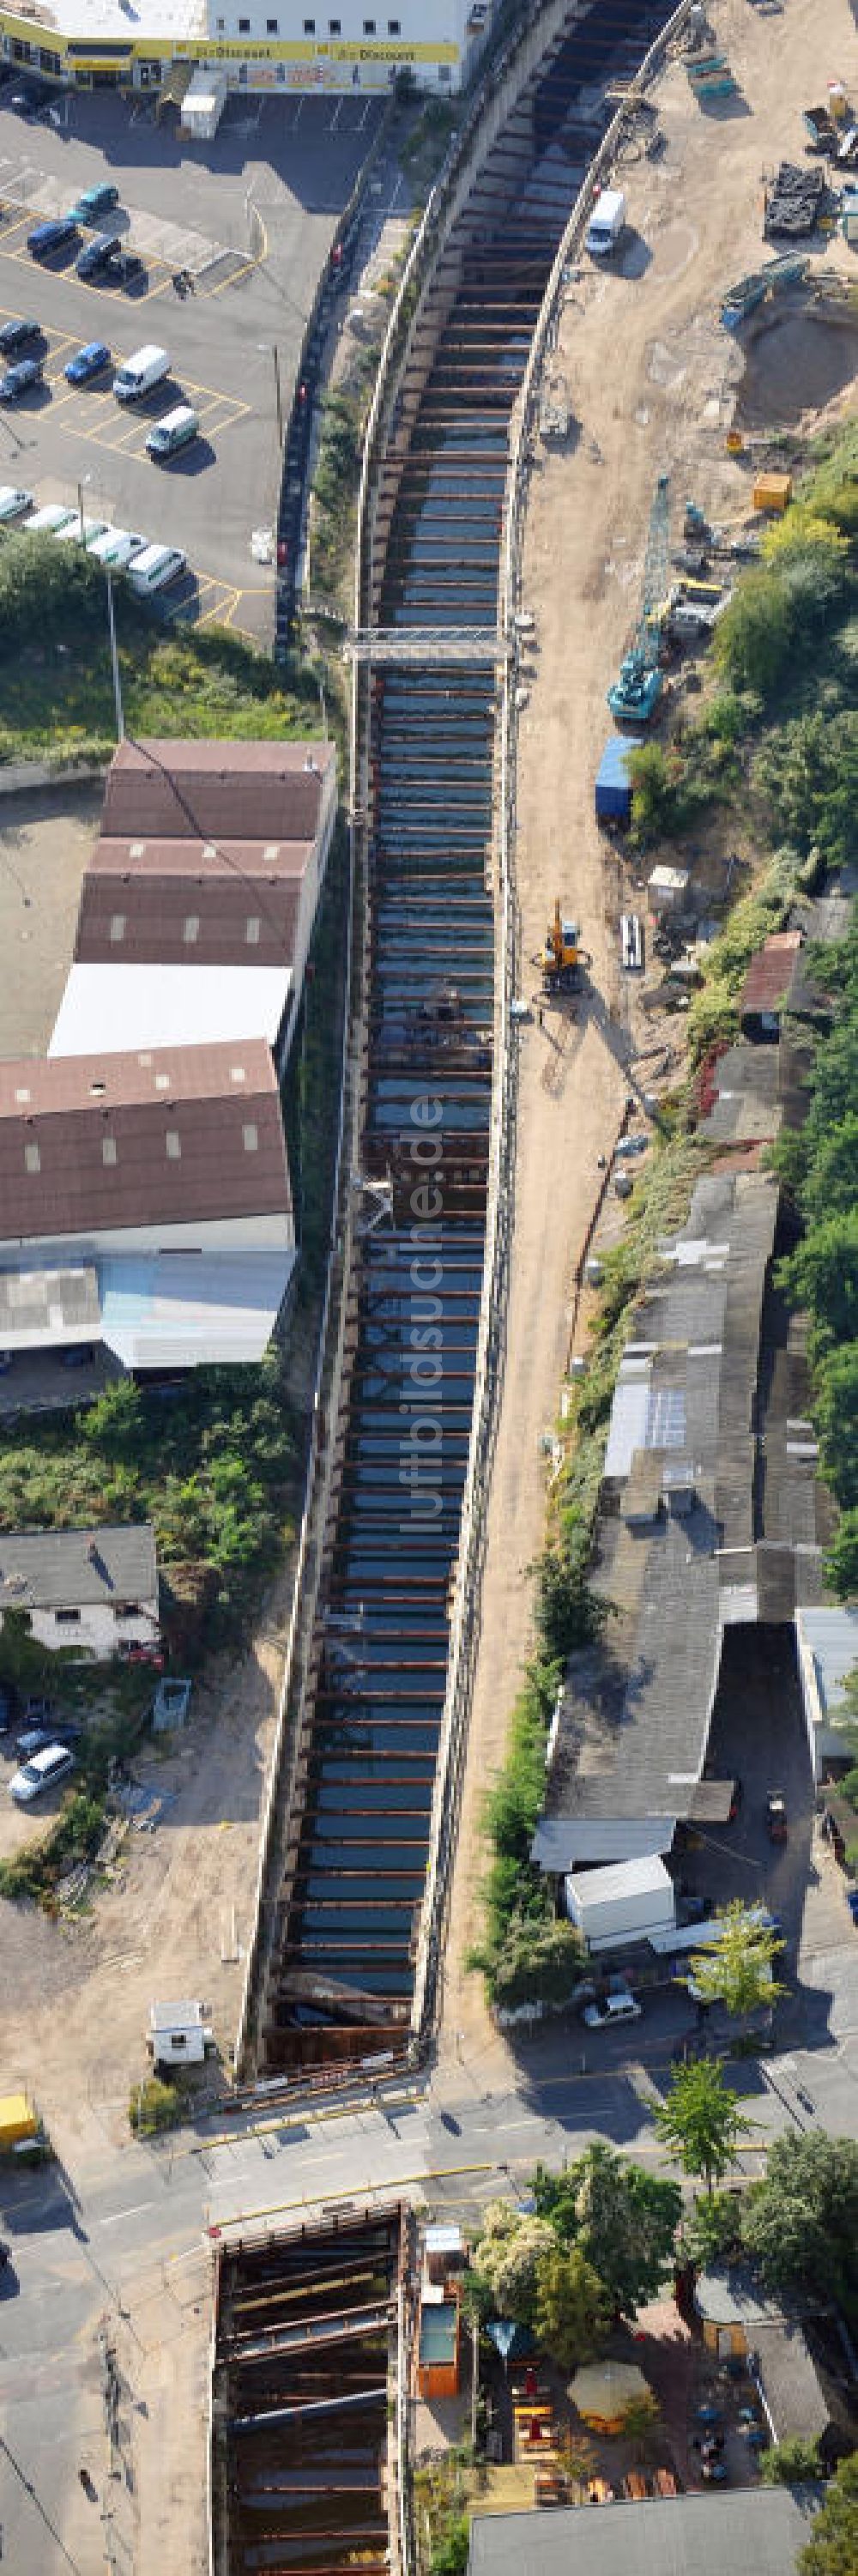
[(358, 2192)]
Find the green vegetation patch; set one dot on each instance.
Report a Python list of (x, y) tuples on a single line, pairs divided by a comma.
[(56, 689)]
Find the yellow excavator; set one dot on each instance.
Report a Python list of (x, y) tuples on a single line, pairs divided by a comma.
[(562, 956)]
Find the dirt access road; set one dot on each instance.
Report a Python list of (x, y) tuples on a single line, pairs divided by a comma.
[(652, 379)]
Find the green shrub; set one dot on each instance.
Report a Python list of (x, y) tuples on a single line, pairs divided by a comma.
[(154, 2105), (791, 2463)]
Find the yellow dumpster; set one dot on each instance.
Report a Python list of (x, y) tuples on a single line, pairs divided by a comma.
[(773, 492), (17, 2120)]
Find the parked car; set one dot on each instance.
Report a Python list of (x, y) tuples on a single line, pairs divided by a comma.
[(32, 1741), (614, 2008), (14, 503), (6, 1710), (91, 360), (44, 1771), (23, 378), (776, 1817), (94, 202), (122, 268), (18, 335), (96, 254), (736, 1795), (47, 238)]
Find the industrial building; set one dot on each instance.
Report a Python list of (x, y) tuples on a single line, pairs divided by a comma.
[(218, 47), (707, 1522), (144, 1203), (198, 901)]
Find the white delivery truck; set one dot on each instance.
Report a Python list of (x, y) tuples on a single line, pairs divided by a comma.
[(606, 224)]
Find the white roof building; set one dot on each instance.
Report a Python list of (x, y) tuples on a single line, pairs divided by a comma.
[(116, 1009)]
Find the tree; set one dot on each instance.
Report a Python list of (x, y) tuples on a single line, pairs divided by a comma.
[(624, 2220), (801, 2222), (837, 1419), (737, 1971), (539, 1963), (823, 1274), (711, 2228), (641, 2422), (507, 2256), (832, 2549), (699, 2122), (790, 2464), (572, 2310), (840, 1563)]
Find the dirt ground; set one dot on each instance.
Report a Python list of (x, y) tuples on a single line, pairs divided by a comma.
[(653, 381), (45, 839), (175, 1920)]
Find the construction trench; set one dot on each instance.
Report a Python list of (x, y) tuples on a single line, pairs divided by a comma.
[(338, 1983), (306, 2369)]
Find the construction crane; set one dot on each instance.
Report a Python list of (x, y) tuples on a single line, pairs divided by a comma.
[(561, 956), (633, 696)]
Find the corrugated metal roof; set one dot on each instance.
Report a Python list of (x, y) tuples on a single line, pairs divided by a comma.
[(118, 1007), (770, 973), (258, 791), (192, 903), (627, 1878), (71, 1569), (170, 1312), (157, 1137), (560, 1842), (751, 2532), (832, 1636), (634, 1720)]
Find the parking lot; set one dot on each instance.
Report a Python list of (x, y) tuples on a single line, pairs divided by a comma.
[(251, 217)]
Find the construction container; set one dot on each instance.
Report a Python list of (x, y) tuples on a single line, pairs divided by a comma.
[(667, 889), (438, 2351), (773, 492), (613, 786), (622, 1902), (18, 2120)]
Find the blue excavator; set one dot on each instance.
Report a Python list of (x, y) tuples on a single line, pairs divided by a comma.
[(633, 696)]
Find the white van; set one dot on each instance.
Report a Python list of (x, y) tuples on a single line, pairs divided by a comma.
[(606, 223), (137, 375), (176, 430), (47, 522), (116, 548), (154, 568)]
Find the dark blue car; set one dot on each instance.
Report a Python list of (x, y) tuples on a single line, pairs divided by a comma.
[(88, 362), (21, 379)]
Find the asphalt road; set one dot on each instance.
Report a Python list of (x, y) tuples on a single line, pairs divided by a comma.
[(252, 215), (453, 2142)]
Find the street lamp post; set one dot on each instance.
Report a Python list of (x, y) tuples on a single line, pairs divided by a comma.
[(114, 664)]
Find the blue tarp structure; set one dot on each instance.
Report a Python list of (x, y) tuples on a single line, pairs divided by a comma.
[(511, 2341), (613, 792)]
